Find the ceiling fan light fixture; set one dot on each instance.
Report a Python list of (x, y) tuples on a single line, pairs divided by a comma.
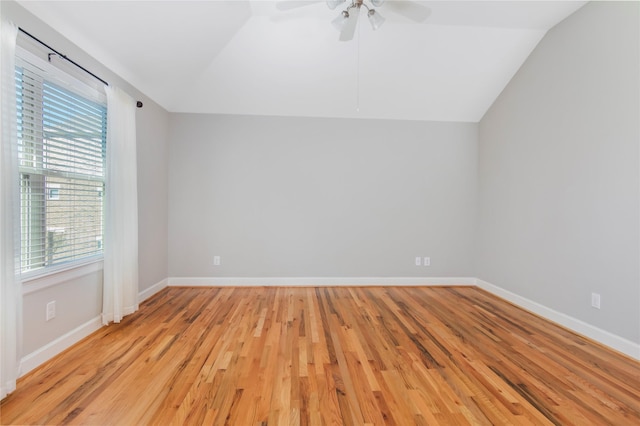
[(375, 19), (332, 4), (340, 20), (377, 3)]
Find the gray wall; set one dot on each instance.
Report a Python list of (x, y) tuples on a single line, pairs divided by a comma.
[(286, 197), (152, 127), (559, 172), (80, 299)]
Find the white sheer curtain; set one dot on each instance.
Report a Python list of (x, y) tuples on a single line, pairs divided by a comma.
[(120, 291), (10, 294)]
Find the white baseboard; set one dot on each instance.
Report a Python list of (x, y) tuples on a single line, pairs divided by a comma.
[(48, 351), (6, 388), (616, 342), (148, 292), (316, 281)]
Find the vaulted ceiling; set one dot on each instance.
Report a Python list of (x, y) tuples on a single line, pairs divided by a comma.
[(250, 57)]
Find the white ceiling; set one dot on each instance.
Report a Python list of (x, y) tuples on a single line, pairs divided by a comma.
[(248, 57)]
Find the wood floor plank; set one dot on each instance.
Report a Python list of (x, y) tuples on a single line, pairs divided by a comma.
[(325, 356)]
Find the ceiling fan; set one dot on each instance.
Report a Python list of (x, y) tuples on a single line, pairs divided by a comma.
[(347, 21)]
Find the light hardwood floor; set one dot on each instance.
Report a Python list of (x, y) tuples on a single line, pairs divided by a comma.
[(288, 356)]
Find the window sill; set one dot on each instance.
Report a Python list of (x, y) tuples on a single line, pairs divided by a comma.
[(38, 280)]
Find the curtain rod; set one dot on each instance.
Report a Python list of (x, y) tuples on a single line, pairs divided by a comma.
[(63, 56)]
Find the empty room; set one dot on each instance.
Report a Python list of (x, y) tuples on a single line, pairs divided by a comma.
[(346, 212)]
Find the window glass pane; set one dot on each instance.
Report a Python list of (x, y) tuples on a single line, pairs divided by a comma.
[(74, 133)]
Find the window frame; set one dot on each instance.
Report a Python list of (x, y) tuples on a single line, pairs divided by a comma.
[(88, 90)]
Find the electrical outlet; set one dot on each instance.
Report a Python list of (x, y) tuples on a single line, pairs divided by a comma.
[(51, 310), (216, 260), (595, 300), (418, 261), (427, 261)]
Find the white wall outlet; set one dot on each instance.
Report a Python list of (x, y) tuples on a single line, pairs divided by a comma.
[(595, 300), (216, 260), (427, 261), (51, 310), (418, 261)]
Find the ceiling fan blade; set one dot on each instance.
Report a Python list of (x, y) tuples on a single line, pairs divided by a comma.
[(294, 4), (349, 28), (410, 9)]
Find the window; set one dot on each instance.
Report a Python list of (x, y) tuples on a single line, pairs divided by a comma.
[(61, 145), (53, 192)]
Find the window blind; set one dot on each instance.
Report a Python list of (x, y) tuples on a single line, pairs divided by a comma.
[(61, 145)]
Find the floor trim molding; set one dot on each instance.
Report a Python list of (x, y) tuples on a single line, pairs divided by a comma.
[(53, 348), (611, 340), (150, 291), (316, 281), (6, 388)]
